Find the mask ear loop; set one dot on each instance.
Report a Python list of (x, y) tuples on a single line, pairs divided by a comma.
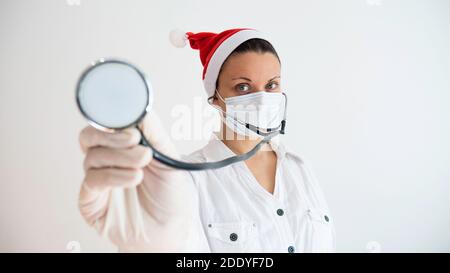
[(223, 113), (215, 106)]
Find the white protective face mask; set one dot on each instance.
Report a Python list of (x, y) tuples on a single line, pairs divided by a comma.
[(264, 110)]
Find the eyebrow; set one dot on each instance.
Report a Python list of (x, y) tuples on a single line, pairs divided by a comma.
[(247, 79)]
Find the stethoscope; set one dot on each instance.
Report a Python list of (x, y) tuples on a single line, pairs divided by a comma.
[(114, 95)]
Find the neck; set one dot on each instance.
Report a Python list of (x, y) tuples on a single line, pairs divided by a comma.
[(240, 144)]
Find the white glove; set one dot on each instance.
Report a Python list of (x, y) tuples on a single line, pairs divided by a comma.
[(139, 203)]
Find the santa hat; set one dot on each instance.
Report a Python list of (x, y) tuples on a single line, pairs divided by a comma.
[(214, 49)]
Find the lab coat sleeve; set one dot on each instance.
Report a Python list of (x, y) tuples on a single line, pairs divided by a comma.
[(129, 226)]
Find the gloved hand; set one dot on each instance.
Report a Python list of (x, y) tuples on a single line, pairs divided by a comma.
[(139, 203)]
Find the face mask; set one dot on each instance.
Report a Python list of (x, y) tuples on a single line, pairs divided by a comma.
[(263, 111)]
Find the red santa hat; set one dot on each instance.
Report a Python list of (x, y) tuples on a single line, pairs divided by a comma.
[(214, 49)]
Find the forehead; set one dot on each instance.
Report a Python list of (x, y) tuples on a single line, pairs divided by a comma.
[(252, 65)]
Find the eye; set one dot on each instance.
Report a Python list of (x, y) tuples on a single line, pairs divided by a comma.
[(243, 87), (272, 86)]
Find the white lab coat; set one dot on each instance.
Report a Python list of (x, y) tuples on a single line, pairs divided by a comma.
[(234, 213), (239, 215)]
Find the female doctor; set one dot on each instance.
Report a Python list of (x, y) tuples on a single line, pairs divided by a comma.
[(268, 203)]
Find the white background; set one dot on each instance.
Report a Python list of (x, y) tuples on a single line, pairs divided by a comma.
[(369, 94)]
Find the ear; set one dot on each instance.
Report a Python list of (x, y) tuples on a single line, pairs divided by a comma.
[(213, 99), (210, 100)]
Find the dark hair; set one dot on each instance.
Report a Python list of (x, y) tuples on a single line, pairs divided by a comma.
[(253, 45)]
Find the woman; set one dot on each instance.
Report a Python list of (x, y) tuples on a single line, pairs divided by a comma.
[(268, 203)]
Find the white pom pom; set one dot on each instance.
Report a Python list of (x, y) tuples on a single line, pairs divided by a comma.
[(178, 38)]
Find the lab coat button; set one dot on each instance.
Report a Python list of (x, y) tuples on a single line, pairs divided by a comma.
[(233, 236), (326, 218), (291, 249), (280, 212)]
